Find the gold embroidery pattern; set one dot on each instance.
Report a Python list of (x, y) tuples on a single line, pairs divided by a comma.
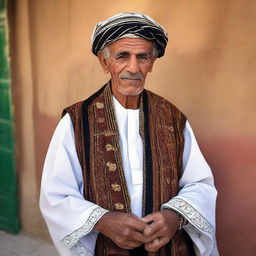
[(99, 105), (119, 206), (116, 187), (111, 166), (101, 120), (108, 133), (112, 125), (109, 147)]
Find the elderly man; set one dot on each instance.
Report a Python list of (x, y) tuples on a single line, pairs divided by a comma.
[(124, 174)]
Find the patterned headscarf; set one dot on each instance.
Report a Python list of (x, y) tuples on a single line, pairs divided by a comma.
[(131, 25)]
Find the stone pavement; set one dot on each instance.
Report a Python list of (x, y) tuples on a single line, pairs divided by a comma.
[(24, 245)]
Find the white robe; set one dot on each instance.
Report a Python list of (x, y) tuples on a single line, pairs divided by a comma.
[(70, 218)]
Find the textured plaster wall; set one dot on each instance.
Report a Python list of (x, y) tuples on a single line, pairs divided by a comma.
[(24, 112), (208, 72)]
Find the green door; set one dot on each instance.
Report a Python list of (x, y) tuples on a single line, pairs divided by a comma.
[(8, 186)]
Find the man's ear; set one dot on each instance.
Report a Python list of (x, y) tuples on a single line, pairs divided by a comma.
[(103, 61), (151, 66)]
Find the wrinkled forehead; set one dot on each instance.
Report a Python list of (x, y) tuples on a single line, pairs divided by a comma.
[(131, 45)]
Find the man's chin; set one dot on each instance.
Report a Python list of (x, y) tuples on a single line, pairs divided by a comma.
[(131, 91)]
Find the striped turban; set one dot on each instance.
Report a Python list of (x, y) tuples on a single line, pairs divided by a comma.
[(131, 25)]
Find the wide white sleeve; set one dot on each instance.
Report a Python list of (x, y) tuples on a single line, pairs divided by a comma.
[(197, 197), (69, 217)]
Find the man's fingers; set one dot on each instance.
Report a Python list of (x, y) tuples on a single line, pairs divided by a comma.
[(156, 244), (125, 229), (149, 218), (153, 246), (151, 229), (136, 223), (153, 236), (138, 237), (127, 244), (130, 234), (155, 227)]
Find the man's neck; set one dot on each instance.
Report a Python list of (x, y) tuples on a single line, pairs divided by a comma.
[(128, 102)]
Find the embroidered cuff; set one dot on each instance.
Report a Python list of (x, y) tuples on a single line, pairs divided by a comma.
[(191, 214), (80, 250), (71, 239)]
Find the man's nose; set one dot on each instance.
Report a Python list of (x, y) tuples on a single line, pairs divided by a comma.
[(133, 65)]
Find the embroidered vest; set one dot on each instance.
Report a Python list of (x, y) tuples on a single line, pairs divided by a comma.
[(98, 149)]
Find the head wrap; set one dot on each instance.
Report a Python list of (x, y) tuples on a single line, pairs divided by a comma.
[(132, 25)]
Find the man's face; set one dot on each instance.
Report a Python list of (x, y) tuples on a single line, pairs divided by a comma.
[(129, 62)]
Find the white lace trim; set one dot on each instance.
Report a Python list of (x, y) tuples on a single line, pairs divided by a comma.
[(80, 250), (191, 214), (71, 239)]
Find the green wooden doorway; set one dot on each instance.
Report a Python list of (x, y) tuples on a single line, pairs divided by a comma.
[(9, 219)]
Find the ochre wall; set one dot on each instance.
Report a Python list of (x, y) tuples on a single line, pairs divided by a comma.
[(208, 72)]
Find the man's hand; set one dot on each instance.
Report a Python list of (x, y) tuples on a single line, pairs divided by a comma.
[(124, 229), (161, 226)]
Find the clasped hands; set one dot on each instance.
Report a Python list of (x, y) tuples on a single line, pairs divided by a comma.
[(129, 231)]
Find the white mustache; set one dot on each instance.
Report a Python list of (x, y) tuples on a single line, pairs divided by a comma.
[(131, 76)]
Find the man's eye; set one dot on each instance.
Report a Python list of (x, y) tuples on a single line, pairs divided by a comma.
[(121, 56), (143, 56)]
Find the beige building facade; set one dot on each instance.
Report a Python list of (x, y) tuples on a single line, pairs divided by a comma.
[(208, 71)]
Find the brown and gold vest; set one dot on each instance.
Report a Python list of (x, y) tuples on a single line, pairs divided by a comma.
[(98, 149)]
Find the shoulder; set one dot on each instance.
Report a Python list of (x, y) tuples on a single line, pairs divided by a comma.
[(163, 104), (74, 108), (63, 130)]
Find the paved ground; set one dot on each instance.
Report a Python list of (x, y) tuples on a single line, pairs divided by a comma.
[(24, 245)]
